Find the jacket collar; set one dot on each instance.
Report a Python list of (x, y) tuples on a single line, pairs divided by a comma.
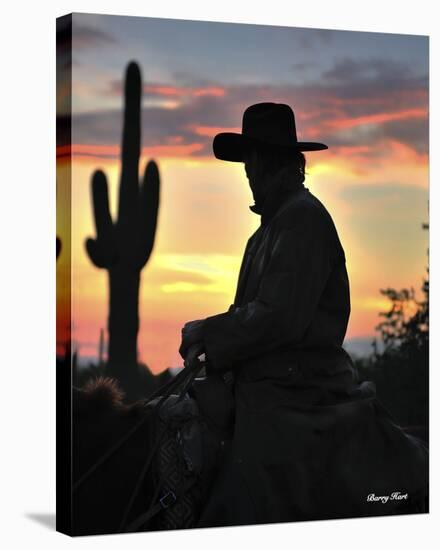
[(282, 188)]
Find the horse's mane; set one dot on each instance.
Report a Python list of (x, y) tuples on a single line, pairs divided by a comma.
[(100, 394)]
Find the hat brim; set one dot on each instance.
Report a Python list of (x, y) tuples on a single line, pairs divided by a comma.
[(232, 147)]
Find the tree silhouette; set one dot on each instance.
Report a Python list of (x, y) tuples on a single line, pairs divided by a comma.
[(401, 369)]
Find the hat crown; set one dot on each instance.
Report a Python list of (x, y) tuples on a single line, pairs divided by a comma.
[(265, 126), (270, 122)]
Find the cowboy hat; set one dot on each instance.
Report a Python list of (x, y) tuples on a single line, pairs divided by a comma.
[(265, 125)]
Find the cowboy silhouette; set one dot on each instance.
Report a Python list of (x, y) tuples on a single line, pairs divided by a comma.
[(310, 441)]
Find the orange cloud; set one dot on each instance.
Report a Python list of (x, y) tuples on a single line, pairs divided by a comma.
[(215, 91), (376, 118), (168, 91), (403, 153), (85, 151), (211, 131), (173, 151), (346, 150), (78, 149), (183, 91)]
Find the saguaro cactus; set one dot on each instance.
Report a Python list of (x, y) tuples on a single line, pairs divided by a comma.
[(123, 247)]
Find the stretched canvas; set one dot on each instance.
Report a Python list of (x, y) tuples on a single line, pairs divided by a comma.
[(242, 274)]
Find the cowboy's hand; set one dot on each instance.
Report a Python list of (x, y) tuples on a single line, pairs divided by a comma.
[(191, 334), (193, 352)]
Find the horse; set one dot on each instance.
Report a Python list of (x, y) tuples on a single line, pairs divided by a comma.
[(117, 451), (114, 445)]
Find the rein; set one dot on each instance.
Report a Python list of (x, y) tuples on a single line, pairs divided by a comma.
[(185, 378)]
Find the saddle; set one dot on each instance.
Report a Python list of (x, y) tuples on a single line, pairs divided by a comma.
[(193, 429)]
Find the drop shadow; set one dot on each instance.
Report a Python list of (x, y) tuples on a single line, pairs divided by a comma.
[(46, 520)]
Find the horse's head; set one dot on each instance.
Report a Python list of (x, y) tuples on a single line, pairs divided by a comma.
[(100, 421)]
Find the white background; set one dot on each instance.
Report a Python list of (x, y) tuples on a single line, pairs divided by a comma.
[(27, 272)]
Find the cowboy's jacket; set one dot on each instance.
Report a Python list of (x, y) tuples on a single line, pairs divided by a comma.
[(308, 438), (293, 288)]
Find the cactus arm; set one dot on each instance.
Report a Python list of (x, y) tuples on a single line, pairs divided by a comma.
[(101, 210), (101, 250), (148, 206), (95, 254)]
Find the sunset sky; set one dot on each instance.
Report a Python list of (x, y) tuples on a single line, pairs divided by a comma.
[(363, 94)]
